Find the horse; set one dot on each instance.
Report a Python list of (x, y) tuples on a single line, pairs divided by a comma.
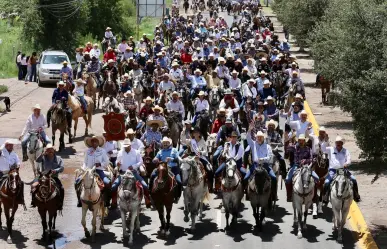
[(149, 153), (92, 199), (259, 191), (203, 123), (303, 192), (175, 127), (130, 195), (321, 166), (278, 80), (47, 198), (232, 190), (34, 149), (196, 191), (214, 101), (109, 87), (77, 112), (59, 121), (186, 100), (341, 199), (11, 195), (131, 120), (138, 92), (111, 104), (91, 86), (290, 98), (69, 85), (162, 194)]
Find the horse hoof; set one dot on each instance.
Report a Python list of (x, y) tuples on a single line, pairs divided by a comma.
[(167, 233), (9, 240), (186, 218), (299, 235), (87, 234), (130, 242), (339, 239)]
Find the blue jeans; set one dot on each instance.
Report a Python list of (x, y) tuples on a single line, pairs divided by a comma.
[(175, 171), (117, 182), (33, 73), (331, 174), (216, 155), (266, 166), (83, 102), (26, 138), (20, 72), (238, 164), (289, 177), (139, 124)]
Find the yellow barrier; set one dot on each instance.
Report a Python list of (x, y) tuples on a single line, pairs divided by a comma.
[(355, 217)]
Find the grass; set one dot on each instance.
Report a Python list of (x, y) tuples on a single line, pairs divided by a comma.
[(3, 89)]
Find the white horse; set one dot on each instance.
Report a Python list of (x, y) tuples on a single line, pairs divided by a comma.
[(111, 104), (303, 193), (92, 199), (214, 101), (34, 149), (138, 92), (341, 199), (196, 190), (232, 191), (130, 196)]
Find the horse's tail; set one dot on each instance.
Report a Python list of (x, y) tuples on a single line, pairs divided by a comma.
[(206, 197)]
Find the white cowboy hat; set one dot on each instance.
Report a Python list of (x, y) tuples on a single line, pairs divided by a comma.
[(228, 121), (322, 128), (166, 75), (154, 121), (266, 82), (298, 96), (166, 139), (272, 122), (198, 71), (245, 69), (235, 72), (263, 72), (174, 64), (126, 75), (263, 59), (80, 81), (110, 61), (37, 106), (61, 83), (147, 99), (251, 80), (10, 141), (65, 62), (130, 131), (228, 91), (269, 98), (260, 134), (101, 141), (303, 112), (126, 94), (339, 139), (175, 93), (221, 59), (126, 143), (302, 137), (49, 146), (108, 28), (201, 93), (221, 110), (187, 122), (157, 107)]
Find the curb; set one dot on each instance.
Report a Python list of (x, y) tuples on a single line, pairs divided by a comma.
[(355, 217)]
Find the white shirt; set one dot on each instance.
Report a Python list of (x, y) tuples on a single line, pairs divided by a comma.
[(176, 106), (176, 74), (34, 123), (323, 144), (185, 137), (201, 105), (223, 105), (7, 160), (122, 47), (304, 127), (127, 159), (111, 146), (259, 151), (165, 86), (108, 34), (137, 144), (18, 58), (79, 90), (249, 92), (24, 61), (337, 160), (235, 83), (78, 57), (199, 147), (95, 156), (222, 71), (96, 52), (231, 152)]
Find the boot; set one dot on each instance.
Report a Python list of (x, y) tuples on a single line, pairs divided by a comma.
[(79, 204), (147, 198), (48, 119), (282, 165), (25, 156), (107, 197), (210, 177), (289, 191), (114, 200), (356, 196)]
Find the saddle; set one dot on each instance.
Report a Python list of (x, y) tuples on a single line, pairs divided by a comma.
[(42, 192)]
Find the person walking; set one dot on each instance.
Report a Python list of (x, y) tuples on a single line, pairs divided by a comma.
[(23, 64), (33, 62), (28, 70)]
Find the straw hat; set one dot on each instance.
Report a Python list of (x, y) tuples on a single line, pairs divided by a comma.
[(157, 107), (221, 110), (126, 143), (155, 121), (175, 64), (302, 137), (272, 122), (65, 62), (110, 61), (322, 128), (235, 72), (61, 83), (49, 146), (221, 59), (201, 93), (9, 141), (37, 106), (228, 91), (269, 98), (339, 139), (88, 140), (303, 112), (298, 96), (147, 99), (166, 139), (108, 28), (198, 71), (175, 93)]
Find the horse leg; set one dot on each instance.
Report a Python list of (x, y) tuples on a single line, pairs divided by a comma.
[(103, 209), (194, 213), (262, 217), (54, 222), (201, 210), (53, 137), (133, 215), (227, 217), (61, 142), (186, 209), (50, 219), (255, 214), (75, 127), (94, 223), (11, 219), (123, 219), (344, 214), (306, 215), (44, 223), (87, 125), (299, 218), (160, 210), (83, 222), (168, 208), (1, 224)]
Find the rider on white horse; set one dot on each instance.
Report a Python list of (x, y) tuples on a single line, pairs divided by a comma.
[(35, 122), (95, 156), (130, 159), (339, 158)]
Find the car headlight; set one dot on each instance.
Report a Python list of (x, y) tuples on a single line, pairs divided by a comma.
[(44, 70)]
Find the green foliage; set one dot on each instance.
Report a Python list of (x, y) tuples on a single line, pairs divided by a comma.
[(3, 89)]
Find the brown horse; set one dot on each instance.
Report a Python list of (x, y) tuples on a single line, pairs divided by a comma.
[(47, 198), (77, 112), (69, 86), (162, 194), (11, 195), (321, 166), (60, 121), (91, 86), (149, 153)]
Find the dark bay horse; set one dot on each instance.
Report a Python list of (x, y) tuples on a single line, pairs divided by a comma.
[(203, 123), (11, 195), (162, 194), (46, 194), (61, 120), (149, 153), (321, 166)]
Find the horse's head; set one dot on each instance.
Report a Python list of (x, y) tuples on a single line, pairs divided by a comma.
[(45, 184), (89, 178), (230, 168), (306, 176), (34, 142), (189, 168), (342, 184), (261, 179), (13, 180), (128, 182), (162, 169)]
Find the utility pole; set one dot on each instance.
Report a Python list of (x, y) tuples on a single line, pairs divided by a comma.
[(138, 20)]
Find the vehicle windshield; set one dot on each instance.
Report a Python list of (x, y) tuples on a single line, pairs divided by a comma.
[(54, 59)]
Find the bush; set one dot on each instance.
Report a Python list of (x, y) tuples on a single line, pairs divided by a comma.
[(3, 89)]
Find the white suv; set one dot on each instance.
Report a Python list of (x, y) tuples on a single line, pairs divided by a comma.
[(49, 66)]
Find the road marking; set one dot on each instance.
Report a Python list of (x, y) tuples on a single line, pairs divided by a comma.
[(355, 217), (219, 219)]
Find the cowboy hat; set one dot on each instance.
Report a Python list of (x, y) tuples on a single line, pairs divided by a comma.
[(166, 139), (154, 121), (187, 122), (298, 96), (130, 131), (175, 93), (201, 93), (126, 75), (303, 137), (221, 110), (174, 64), (269, 98), (61, 83), (49, 146), (126, 143), (198, 71), (110, 61), (126, 94), (228, 121), (322, 128), (37, 106), (251, 80), (88, 140), (235, 72), (228, 91), (221, 59), (339, 139), (266, 82), (80, 81), (10, 141), (272, 122), (260, 134), (262, 72), (147, 99), (245, 69), (263, 59), (108, 28), (234, 134), (262, 54), (157, 107), (65, 62), (303, 112)]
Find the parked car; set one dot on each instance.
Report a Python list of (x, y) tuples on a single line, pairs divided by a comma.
[(49, 66)]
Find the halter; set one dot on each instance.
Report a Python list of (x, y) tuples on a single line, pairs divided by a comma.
[(90, 202), (232, 189), (303, 194), (199, 177)]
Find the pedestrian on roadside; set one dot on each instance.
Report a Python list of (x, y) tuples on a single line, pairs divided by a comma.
[(33, 63), (28, 70), (18, 64), (23, 65)]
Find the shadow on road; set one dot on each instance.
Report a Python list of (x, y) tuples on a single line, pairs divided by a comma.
[(203, 228), (18, 239), (278, 214), (310, 234), (238, 230), (101, 238), (176, 232), (349, 238)]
